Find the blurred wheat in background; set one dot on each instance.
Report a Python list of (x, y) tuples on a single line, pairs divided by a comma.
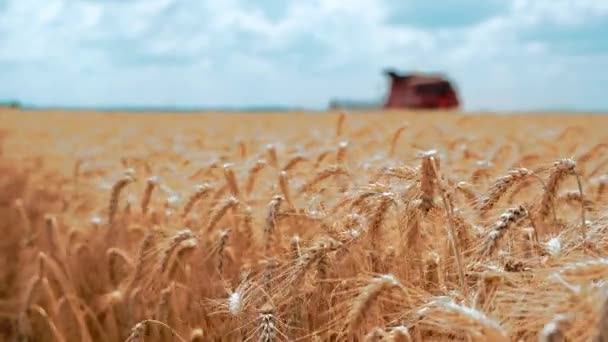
[(303, 227)]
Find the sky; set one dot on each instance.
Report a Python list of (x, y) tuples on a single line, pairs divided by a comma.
[(502, 55)]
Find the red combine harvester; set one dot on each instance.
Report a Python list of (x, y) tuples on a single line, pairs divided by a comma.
[(420, 91)]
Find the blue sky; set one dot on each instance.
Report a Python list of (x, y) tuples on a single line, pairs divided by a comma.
[(503, 55)]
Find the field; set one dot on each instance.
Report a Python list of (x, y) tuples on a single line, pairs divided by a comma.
[(303, 227)]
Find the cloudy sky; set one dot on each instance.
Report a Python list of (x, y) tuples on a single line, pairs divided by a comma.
[(502, 54)]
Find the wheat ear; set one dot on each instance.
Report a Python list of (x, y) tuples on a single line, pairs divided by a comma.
[(508, 219), (146, 247), (52, 237), (25, 220), (267, 326), (294, 244), (324, 174), (197, 335), (602, 325), (242, 149), (394, 139), (219, 213), (582, 196), (163, 310), (341, 153), (55, 333), (119, 265), (340, 124), (285, 188), (601, 188), (465, 189), (313, 254), (138, 331), (271, 221), (223, 241), (554, 330), (253, 171), (231, 180), (145, 200), (375, 335), (427, 181), (115, 195), (291, 163), (500, 187), (271, 151), (375, 224), (199, 192), (321, 157), (399, 334), (494, 332), (178, 237), (451, 227), (366, 298), (559, 171), (270, 265), (246, 229)]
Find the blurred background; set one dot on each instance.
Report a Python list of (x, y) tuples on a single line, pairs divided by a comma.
[(500, 55)]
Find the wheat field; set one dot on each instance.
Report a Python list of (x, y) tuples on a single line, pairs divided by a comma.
[(303, 227)]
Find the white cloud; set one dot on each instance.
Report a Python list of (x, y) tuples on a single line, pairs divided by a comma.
[(230, 52), (561, 12)]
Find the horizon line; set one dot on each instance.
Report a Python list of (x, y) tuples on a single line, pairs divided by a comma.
[(267, 108)]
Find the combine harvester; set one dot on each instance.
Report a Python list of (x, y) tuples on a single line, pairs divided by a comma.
[(411, 91)]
